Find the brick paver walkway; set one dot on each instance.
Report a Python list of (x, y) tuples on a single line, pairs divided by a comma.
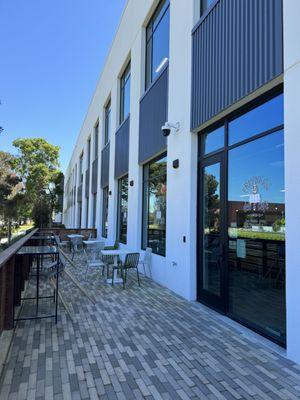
[(141, 343)]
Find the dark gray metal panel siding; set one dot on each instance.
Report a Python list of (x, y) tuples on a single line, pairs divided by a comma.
[(122, 149), (87, 182), (153, 114), (105, 166), (94, 176), (237, 48)]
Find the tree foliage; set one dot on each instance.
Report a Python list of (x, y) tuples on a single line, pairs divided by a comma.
[(38, 165)]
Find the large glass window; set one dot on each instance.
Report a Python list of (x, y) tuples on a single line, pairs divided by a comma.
[(81, 169), (88, 153), (155, 205), (107, 127), (214, 140), (94, 210), (105, 212), (125, 94), (242, 253), (157, 41), (256, 230), (204, 5), (96, 140), (122, 209), (260, 119)]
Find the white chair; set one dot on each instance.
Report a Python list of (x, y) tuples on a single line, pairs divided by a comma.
[(76, 245), (92, 255), (146, 261)]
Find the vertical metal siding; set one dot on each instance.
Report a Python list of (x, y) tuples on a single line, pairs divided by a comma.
[(122, 149), (153, 114), (237, 48), (94, 176), (105, 166)]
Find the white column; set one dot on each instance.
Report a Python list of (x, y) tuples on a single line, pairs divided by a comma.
[(180, 269), (292, 172), (112, 199), (135, 171)]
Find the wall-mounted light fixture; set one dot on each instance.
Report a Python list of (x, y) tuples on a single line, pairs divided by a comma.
[(109, 193), (131, 183), (176, 163)]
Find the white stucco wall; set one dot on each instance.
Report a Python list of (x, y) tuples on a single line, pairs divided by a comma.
[(177, 269), (292, 172)]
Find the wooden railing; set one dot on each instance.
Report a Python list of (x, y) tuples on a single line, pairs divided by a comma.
[(12, 280), (64, 232), (8, 292)]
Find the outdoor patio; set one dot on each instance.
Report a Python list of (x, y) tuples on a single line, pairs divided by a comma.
[(140, 343)]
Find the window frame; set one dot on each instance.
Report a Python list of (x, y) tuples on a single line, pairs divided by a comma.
[(119, 226), (145, 204), (81, 169), (149, 41), (107, 122), (105, 201), (89, 148), (96, 140), (124, 80)]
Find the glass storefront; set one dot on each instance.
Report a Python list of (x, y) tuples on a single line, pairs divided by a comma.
[(122, 209), (242, 218), (155, 207)]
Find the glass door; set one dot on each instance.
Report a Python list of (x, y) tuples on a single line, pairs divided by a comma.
[(211, 235)]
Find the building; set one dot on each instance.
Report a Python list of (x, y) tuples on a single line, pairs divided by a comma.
[(216, 199)]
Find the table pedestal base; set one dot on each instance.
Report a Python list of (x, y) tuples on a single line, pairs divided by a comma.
[(116, 278)]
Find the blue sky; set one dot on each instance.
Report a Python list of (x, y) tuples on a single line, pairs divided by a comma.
[(51, 55)]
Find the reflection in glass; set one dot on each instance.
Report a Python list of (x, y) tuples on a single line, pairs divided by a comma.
[(154, 215), (157, 46), (262, 118), (204, 4), (105, 212), (211, 229), (94, 210), (256, 228), (96, 140), (125, 95), (107, 123), (214, 140), (122, 209)]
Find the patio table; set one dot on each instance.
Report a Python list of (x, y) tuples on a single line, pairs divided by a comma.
[(87, 242), (73, 236), (115, 254), (40, 251)]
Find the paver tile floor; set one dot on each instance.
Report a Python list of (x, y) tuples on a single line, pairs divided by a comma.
[(140, 343)]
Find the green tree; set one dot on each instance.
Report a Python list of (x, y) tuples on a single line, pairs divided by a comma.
[(9, 187), (38, 165)]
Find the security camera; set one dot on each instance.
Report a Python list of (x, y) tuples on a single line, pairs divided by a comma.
[(166, 129)]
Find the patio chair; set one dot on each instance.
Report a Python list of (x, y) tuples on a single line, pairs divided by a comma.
[(131, 262), (108, 261), (76, 245), (146, 261), (92, 255), (91, 237), (60, 243)]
